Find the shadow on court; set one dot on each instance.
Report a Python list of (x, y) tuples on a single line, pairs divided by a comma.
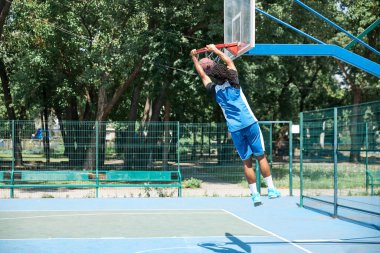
[(238, 246), (227, 247)]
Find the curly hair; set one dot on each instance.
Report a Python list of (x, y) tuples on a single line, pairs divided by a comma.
[(220, 74)]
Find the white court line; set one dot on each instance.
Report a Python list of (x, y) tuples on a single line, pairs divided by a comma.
[(129, 238), (322, 241), (144, 212), (171, 248), (176, 212), (271, 233), (108, 210)]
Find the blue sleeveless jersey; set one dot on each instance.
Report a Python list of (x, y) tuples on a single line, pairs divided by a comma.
[(234, 105)]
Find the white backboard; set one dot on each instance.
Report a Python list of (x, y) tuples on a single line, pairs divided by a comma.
[(239, 24)]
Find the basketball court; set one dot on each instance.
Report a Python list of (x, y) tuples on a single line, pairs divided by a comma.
[(197, 225), (175, 225)]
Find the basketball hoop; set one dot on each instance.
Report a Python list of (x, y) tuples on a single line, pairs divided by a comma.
[(233, 48)]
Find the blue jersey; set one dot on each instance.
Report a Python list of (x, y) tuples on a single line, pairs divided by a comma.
[(234, 104)]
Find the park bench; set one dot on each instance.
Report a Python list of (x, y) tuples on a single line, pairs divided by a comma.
[(373, 180), (86, 179), (46, 179), (143, 178)]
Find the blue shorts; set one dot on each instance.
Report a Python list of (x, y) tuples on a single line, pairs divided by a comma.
[(249, 141)]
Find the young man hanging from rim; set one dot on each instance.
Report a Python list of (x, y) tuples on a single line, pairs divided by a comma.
[(222, 80)]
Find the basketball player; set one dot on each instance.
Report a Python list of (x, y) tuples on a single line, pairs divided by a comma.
[(222, 81)]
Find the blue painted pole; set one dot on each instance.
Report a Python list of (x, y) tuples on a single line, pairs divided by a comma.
[(336, 26), (289, 26), (364, 33), (317, 50)]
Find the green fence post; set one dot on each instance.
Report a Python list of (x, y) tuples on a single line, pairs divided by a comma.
[(178, 160), (13, 160), (97, 157), (335, 162), (366, 156), (290, 158), (301, 159), (270, 147)]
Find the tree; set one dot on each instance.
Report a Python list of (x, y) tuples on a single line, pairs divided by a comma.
[(357, 16), (103, 60), (5, 6)]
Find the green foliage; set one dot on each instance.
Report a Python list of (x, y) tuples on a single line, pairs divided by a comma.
[(192, 183), (47, 196), (60, 55)]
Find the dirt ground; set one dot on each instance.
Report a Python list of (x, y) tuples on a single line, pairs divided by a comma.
[(206, 190)]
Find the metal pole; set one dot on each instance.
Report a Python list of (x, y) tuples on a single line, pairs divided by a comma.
[(366, 156), (301, 159), (97, 157), (289, 26), (337, 26), (209, 139), (270, 147), (335, 162), (317, 50), (364, 33), (178, 159), (290, 158), (13, 160)]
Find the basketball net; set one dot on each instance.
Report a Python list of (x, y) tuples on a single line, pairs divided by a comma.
[(233, 48)]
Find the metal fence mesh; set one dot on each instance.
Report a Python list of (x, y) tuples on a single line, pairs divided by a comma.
[(340, 157), (80, 159)]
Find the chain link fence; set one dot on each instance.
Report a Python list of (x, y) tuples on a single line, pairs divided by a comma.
[(83, 159), (340, 159)]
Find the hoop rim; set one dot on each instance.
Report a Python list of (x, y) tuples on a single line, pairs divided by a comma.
[(232, 47)]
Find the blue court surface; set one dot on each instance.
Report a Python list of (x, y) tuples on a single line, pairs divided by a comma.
[(169, 225)]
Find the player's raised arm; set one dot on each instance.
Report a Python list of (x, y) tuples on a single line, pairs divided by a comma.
[(227, 60), (202, 74)]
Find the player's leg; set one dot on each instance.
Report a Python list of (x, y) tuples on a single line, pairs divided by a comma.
[(258, 149), (245, 153), (249, 172), (250, 175), (264, 165), (265, 171)]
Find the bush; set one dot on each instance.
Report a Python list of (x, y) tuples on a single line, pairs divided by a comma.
[(192, 183)]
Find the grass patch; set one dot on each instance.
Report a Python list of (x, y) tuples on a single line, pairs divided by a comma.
[(192, 183)]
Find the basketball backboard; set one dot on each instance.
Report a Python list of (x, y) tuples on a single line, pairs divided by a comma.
[(239, 24)]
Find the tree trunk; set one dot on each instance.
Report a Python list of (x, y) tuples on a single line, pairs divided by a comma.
[(356, 139), (104, 110), (97, 131), (5, 6), (166, 141), (7, 91), (129, 141), (356, 126), (8, 101), (157, 105), (132, 116), (120, 91), (141, 141), (147, 111), (45, 122), (153, 132)]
